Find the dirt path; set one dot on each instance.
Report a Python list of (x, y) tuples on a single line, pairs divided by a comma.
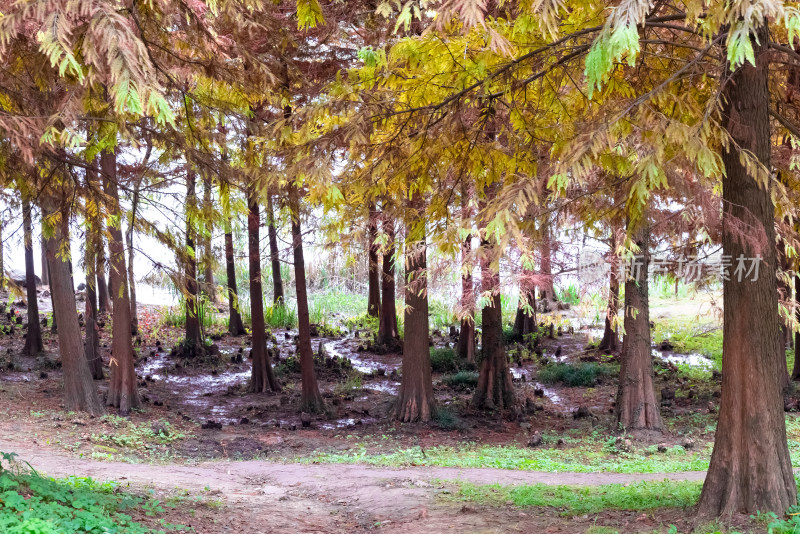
[(322, 497)]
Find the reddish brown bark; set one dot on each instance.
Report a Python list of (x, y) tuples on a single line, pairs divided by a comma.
[(387, 327), (525, 320), (465, 348), (262, 377), (33, 334), (310, 398), (637, 407), (494, 391), (235, 325), (415, 401), (103, 298), (750, 467), (79, 389), (122, 392), (274, 254), (374, 276), (796, 368), (610, 340)]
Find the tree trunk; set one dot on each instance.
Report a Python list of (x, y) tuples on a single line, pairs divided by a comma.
[(796, 369), (122, 392), (33, 336), (131, 277), (546, 292), (494, 391), (79, 390), (525, 320), (610, 340), (2, 264), (45, 272), (235, 325), (193, 340), (103, 298), (387, 328), (54, 324), (209, 285), (310, 399), (374, 279), (637, 407), (274, 254), (91, 344), (262, 377), (465, 347), (750, 467), (415, 401)]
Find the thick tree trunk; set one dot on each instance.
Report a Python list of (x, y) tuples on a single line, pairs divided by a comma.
[(235, 325), (610, 340), (525, 320), (310, 399), (374, 278), (262, 378), (387, 328), (494, 391), (33, 336), (122, 392), (193, 340), (79, 390), (103, 298), (796, 369), (415, 401), (750, 467), (637, 407), (274, 254)]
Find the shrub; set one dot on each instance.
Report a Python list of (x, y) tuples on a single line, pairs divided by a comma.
[(461, 380), (280, 316), (579, 374), (447, 420), (444, 360)]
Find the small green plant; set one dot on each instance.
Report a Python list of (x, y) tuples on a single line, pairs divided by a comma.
[(461, 380), (444, 360), (569, 294), (585, 374), (447, 420), (280, 316), (353, 384)]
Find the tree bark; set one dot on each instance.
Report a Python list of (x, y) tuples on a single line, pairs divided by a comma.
[(193, 340), (235, 325), (525, 320), (261, 378), (310, 399), (122, 392), (637, 407), (91, 344), (610, 340), (374, 278), (131, 277), (209, 285), (45, 271), (274, 254), (750, 468), (546, 292), (415, 401), (387, 327), (796, 369), (494, 391), (465, 348), (33, 336), (79, 390), (103, 298)]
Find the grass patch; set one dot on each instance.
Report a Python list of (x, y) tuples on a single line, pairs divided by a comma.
[(139, 436), (585, 374), (280, 316), (575, 500), (461, 380), (687, 335), (444, 360), (32, 504)]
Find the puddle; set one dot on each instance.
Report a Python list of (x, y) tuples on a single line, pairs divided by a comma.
[(361, 361), (347, 422), (692, 359), (384, 386), (518, 372)]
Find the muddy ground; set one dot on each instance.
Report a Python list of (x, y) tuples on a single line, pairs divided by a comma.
[(202, 410)]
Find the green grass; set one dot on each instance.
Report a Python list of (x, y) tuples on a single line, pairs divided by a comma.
[(574, 500), (586, 459), (461, 380), (280, 316), (32, 504), (688, 335), (585, 374)]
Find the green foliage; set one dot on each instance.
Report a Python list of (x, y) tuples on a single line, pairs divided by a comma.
[(363, 322), (138, 436), (447, 420), (280, 316), (441, 315), (31, 504), (690, 335), (569, 294), (461, 380), (352, 385), (574, 500), (583, 374), (443, 360)]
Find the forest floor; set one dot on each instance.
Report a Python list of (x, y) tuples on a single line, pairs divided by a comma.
[(254, 454)]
